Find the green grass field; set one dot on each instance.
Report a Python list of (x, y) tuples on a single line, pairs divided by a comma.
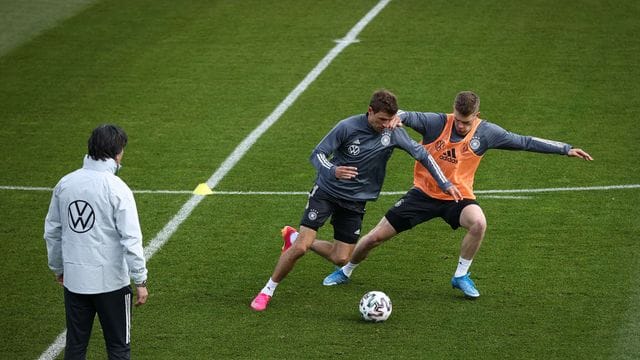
[(189, 80)]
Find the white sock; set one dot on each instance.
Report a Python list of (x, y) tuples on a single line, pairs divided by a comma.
[(294, 237), (348, 269), (270, 287), (463, 267)]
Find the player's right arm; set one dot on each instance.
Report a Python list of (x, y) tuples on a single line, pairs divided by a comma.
[(325, 149), (428, 124), (53, 236)]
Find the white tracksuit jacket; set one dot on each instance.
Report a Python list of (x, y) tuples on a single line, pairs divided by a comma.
[(92, 230)]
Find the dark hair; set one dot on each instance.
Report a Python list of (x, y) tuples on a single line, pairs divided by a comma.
[(384, 100), (467, 103), (106, 141)]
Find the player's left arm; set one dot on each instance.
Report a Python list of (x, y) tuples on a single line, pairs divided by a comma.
[(128, 226), (327, 147), (579, 153), (495, 137)]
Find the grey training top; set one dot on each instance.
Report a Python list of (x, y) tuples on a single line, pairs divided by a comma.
[(487, 135), (353, 142)]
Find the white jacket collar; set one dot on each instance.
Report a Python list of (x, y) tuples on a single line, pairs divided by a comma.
[(108, 165)]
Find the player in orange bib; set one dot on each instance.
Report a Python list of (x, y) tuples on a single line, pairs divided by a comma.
[(457, 142)]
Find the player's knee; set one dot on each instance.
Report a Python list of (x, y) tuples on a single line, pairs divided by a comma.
[(478, 227), (299, 248), (341, 260)]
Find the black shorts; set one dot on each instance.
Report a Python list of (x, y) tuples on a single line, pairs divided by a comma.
[(346, 216), (416, 207)]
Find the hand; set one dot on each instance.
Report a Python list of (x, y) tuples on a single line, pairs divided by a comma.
[(60, 279), (395, 122), (453, 191), (346, 172), (141, 295), (579, 153)]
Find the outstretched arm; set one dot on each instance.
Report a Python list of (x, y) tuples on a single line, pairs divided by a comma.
[(493, 136)]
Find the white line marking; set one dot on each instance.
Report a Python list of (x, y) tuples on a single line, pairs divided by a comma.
[(26, 188), (584, 188), (163, 191), (293, 95), (54, 349), (383, 193), (168, 230), (514, 197)]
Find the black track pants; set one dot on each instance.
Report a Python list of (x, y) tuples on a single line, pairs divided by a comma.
[(114, 311)]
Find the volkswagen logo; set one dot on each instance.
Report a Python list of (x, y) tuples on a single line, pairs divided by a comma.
[(81, 216)]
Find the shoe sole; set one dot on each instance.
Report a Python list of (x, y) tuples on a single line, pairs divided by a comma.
[(334, 283), (470, 297), (255, 308), (283, 233)]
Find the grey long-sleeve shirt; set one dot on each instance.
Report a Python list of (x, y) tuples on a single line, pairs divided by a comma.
[(353, 142)]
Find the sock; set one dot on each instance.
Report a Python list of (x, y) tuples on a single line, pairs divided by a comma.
[(463, 267), (348, 269), (270, 287), (294, 237)]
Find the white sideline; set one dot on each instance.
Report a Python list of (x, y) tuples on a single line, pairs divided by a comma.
[(383, 193), (163, 236)]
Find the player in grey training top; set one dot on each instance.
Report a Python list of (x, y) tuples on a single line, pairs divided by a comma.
[(351, 162), (457, 141), (354, 142)]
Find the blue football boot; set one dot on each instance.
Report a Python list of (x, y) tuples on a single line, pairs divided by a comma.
[(335, 278), (465, 284)]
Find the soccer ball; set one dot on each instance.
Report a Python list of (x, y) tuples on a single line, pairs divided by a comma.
[(375, 306)]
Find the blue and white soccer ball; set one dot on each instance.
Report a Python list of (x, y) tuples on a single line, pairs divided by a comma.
[(375, 306)]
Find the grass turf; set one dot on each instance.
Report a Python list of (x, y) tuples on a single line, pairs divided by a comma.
[(190, 80)]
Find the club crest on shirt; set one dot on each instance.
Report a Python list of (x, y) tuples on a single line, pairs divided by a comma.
[(474, 144), (353, 149), (386, 138)]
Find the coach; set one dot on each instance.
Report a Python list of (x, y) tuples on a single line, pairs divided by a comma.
[(94, 247)]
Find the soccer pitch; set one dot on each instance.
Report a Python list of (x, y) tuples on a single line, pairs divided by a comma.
[(193, 81)]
